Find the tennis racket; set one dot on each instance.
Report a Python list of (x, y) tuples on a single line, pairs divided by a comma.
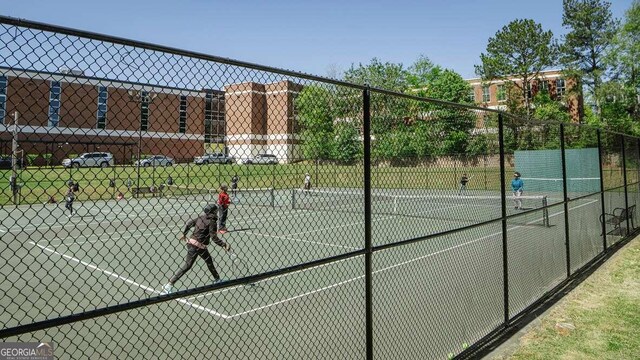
[(239, 267)]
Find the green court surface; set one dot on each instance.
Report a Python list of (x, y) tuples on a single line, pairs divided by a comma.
[(114, 252)]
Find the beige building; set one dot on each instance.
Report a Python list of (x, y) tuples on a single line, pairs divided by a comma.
[(260, 119)]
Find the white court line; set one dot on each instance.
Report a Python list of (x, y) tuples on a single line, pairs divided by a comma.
[(301, 240), (129, 281), (390, 267), (99, 237), (135, 214), (101, 240), (325, 229), (389, 217), (307, 232)]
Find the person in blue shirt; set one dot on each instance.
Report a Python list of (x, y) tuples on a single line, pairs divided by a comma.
[(517, 185)]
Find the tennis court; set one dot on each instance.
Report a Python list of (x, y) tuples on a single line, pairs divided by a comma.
[(114, 252)]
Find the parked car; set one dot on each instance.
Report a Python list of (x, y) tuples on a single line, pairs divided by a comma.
[(101, 159), (155, 160), (215, 158), (262, 159), (5, 163)]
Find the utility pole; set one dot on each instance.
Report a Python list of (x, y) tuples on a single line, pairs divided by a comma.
[(13, 182)]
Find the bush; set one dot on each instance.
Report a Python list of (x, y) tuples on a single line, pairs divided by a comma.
[(47, 158), (31, 158)]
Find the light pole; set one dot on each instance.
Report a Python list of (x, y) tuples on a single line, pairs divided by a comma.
[(143, 99), (66, 154), (13, 182)]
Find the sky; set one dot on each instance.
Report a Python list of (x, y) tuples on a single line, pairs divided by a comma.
[(314, 37)]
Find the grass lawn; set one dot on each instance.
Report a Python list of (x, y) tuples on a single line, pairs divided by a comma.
[(600, 319), (38, 183)]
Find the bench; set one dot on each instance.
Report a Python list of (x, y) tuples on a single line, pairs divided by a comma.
[(618, 219), (142, 190)]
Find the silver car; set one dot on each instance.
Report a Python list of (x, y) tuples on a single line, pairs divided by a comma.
[(215, 158), (101, 159), (155, 160), (262, 159)]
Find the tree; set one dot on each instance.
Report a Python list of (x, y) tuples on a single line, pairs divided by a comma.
[(386, 76), (591, 30), (347, 146), (386, 110), (624, 60), (314, 106), (421, 139), (521, 50), (450, 127), (420, 74), (548, 109), (616, 110)]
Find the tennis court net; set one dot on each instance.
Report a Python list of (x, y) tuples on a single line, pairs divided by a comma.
[(239, 197), (463, 208)]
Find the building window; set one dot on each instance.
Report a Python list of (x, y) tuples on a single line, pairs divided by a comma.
[(208, 116), (560, 87), (544, 86), (144, 111), (3, 98), (502, 93), (183, 115), (103, 96), (54, 103), (471, 97), (214, 124), (529, 92), (486, 97)]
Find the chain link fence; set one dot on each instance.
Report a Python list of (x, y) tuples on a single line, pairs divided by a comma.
[(347, 221)]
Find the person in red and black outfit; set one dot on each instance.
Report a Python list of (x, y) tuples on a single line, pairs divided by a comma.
[(205, 229), (223, 208)]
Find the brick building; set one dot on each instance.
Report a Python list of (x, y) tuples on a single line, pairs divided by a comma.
[(67, 113), (494, 94)]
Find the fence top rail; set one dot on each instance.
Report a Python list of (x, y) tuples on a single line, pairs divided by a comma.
[(161, 48)]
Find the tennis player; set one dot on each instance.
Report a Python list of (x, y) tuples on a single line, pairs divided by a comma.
[(69, 198), (234, 184), (204, 230), (307, 182), (463, 184), (223, 208), (517, 185)]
